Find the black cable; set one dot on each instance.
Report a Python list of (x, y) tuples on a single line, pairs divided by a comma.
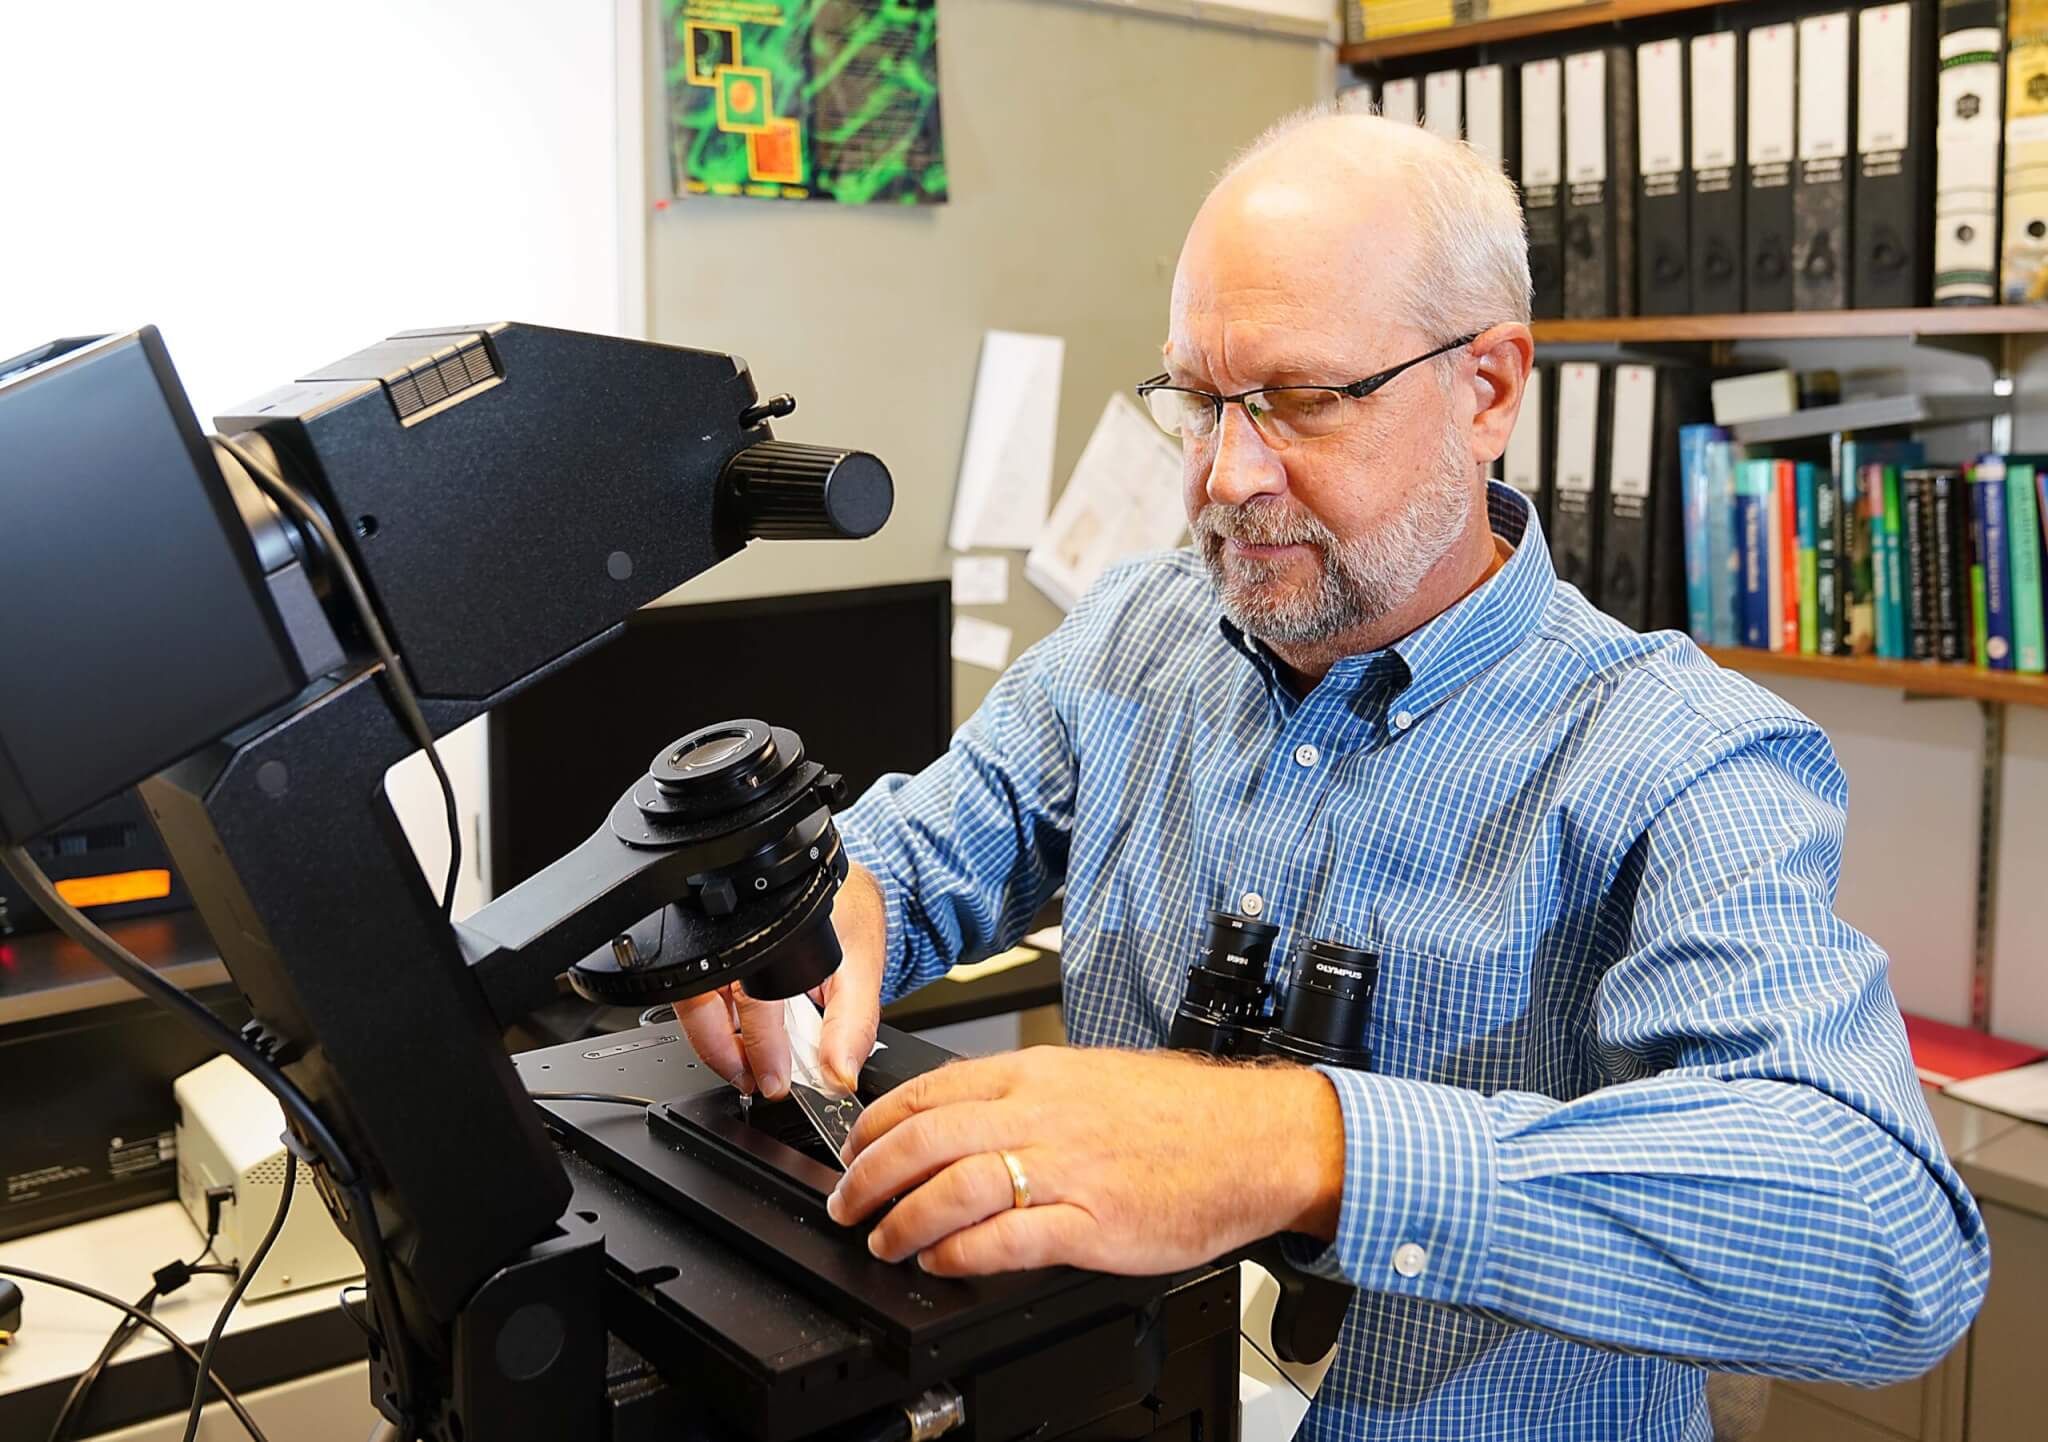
[(126, 1330), (282, 492), (217, 1034), (145, 1319), (220, 1320), (616, 1098)]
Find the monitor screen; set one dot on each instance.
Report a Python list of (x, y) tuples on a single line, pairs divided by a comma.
[(865, 677)]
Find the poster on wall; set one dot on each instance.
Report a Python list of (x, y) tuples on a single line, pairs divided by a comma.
[(834, 100)]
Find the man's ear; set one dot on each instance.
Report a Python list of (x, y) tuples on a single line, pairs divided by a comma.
[(1505, 354)]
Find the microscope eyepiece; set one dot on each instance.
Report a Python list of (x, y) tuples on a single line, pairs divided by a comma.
[(1225, 1003)]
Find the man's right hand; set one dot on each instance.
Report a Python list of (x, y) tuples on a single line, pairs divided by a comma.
[(742, 1039)]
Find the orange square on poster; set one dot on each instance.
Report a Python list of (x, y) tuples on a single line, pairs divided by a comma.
[(776, 153)]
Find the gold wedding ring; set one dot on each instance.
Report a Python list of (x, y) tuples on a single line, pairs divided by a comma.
[(1020, 1185)]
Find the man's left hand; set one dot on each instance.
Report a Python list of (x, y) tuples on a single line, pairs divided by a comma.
[(1137, 1162)]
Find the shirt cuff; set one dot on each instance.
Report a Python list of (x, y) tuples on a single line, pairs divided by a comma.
[(894, 968), (1420, 1191)]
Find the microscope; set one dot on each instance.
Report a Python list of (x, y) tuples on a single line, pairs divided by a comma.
[(254, 626)]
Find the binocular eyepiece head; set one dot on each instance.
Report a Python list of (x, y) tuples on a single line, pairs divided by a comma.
[(1324, 1015)]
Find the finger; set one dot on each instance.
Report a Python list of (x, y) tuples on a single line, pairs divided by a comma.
[(1017, 1240), (971, 1190), (920, 1149), (764, 1037), (853, 1013), (981, 1079), (707, 1021)]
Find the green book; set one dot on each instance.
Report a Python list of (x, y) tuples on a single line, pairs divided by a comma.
[(2023, 540), (1895, 564), (1873, 491)]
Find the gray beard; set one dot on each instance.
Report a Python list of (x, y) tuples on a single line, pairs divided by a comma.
[(1359, 581)]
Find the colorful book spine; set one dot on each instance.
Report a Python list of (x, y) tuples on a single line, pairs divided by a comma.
[(1693, 486), (1788, 554), (1830, 545), (1774, 557), (1806, 564), (2023, 537), (1916, 503), (1724, 548), (1973, 552), (1987, 506), (1951, 573), (1895, 567), (1859, 581), (1752, 518)]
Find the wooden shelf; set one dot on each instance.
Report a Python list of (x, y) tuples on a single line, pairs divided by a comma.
[(1925, 678), (1946, 320), (1514, 27)]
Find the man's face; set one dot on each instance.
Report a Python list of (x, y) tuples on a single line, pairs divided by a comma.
[(1309, 539)]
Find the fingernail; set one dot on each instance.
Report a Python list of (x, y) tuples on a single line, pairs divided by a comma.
[(924, 1261), (846, 1153), (771, 1085), (832, 1204), (744, 1081), (875, 1244)]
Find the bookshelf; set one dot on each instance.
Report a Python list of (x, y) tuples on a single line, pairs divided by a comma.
[(1967, 321), (1515, 27), (1920, 678)]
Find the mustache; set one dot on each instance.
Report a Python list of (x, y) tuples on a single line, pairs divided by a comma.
[(1261, 523)]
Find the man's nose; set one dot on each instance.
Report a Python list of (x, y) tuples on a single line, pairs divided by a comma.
[(1243, 465)]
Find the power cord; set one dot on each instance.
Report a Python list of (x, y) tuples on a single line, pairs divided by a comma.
[(143, 1318), (220, 1320), (168, 1279), (346, 1179), (406, 699)]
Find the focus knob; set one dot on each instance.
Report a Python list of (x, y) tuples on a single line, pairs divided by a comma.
[(787, 491)]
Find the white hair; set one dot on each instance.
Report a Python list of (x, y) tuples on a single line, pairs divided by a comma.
[(1472, 263)]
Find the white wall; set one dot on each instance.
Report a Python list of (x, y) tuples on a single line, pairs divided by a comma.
[(275, 185)]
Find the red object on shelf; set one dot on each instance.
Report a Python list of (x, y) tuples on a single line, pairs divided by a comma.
[(1944, 1054)]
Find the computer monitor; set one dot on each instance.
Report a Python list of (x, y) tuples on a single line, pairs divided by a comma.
[(864, 676)]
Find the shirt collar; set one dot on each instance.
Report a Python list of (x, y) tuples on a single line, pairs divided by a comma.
[(1453, 648)]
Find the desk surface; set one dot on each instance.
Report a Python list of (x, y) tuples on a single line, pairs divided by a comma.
[(61, 1331)]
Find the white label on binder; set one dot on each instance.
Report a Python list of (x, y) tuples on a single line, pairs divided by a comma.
[(1400, 100), (1585, 117), (1542, 123), (1884, 77), (1635, 423), (1578, 418), (1772, 49), (1713, 101), (1824, 86), (1660, 107), (1484, 119), (1442, 96), (1522, 466)]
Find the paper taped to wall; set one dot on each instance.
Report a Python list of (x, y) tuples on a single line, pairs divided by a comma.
[(1122, 500), (981, 643), (981, 580), (1006, 466)]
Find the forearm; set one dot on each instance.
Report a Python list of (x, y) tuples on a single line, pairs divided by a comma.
[(1758, 1224)]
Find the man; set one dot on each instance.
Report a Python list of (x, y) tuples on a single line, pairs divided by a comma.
[(1640, 1103)]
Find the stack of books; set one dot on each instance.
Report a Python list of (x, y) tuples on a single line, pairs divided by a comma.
[(1868, 551)]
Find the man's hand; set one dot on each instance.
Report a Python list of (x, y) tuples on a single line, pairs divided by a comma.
[(743, 1040), (1138, 1162)]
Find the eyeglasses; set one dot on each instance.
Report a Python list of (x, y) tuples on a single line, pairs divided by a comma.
[(1281, 413)]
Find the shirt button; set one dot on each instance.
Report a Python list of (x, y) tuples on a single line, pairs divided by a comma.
[(1306, 755), (1409, 1259), (1402, 720), (1251, 903)]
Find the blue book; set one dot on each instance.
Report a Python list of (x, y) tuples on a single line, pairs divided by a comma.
[(1724, 556), (1693, 486), (1752, 500), (1987, 509)]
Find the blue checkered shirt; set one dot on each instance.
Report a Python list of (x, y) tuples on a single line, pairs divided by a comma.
[(1639, 1101)]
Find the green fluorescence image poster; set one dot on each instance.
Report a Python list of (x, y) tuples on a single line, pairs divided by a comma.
[(805, 100)]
